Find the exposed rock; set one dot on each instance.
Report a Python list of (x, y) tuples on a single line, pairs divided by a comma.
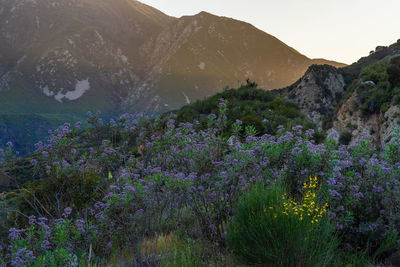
[(390, 129), (317, 92), (381, 129), (350, 119)]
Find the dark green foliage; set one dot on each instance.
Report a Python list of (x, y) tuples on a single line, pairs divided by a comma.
[(255, 107), (60, 190), (353, 71), (375, 79), (396, 99), (251, 84), (375, 89), (345, 138), (254, 121), (393, 71), (376, 73), (261, 233)]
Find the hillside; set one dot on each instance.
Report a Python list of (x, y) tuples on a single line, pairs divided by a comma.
[(360, 101), (85, 55)]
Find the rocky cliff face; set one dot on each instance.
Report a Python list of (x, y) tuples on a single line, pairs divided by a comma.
[(317, 92), (381, 128)]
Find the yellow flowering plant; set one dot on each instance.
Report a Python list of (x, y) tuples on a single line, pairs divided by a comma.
[(270, 227), (308, 209)]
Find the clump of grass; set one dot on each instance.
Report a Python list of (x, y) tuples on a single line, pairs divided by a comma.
[(158, 244), (186, 251)]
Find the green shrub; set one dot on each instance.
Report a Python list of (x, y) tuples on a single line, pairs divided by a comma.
[(259, 108), (61, 190), (396, 99), (254, 121), (376, 73), (269, 229), (394, 71)]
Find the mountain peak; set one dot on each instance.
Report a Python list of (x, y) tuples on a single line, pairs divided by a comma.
[(205, 13)]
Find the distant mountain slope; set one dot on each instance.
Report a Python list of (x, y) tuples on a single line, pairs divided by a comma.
[(321, 61), (82, 54), (197, 56)]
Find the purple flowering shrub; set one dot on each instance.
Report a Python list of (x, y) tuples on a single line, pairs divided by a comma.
[(364, 195), (133, 179), (46, 242)]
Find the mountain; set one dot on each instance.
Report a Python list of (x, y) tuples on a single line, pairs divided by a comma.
[(317, 92), (78, 55), (197, 56), (358, 101), (73, 55)]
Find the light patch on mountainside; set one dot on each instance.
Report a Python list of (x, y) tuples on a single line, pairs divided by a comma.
[(186, 97), (202, 65), (80, 88), (46, 91), (100, 37)]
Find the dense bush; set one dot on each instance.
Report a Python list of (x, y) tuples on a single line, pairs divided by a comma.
[(377, 88), (393, 71), (269, 228), (345, 138)]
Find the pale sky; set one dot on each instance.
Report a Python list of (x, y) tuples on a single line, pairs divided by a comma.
[(341, 30)]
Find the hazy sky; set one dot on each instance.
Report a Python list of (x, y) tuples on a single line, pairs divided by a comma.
[(341, 30)]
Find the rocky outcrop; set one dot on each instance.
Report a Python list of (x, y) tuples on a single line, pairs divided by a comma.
[(317, 92), (350, 119), (390, 129), (381, 129)]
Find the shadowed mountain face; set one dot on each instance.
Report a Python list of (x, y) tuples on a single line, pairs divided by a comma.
[(72, 56)]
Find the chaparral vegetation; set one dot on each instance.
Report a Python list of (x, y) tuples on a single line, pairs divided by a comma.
[(226, 188)]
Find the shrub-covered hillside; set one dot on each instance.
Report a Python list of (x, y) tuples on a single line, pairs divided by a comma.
[(375, 79), (358, 101), (135, 192), (378, 86), (253, 107)]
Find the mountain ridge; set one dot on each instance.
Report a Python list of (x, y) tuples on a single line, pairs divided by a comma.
[(72, 43)]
